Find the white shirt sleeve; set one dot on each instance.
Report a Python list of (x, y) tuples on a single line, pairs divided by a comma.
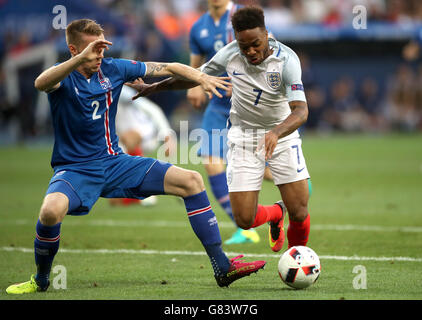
[(155, 113), (292, 78), (218, 63)]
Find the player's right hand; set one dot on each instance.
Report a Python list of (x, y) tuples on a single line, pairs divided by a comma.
[(95, 50), (211, 83), (143, 89), (196, 96)]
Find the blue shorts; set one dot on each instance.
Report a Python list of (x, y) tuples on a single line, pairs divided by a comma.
[(214, 143), (121, 176)]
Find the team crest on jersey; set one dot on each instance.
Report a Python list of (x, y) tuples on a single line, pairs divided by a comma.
[(274, 79), (105, 83)]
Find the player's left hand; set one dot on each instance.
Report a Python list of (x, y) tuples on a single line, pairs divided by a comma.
[(268, 143), (143, 89)]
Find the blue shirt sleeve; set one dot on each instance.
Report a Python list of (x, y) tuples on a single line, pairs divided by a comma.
[(193, 44), (130, 69)]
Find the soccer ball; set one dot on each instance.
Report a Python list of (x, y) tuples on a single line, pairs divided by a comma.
[(299, 267)]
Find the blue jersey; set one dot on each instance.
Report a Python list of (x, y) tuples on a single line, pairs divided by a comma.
[(206, 38), (84, 110)]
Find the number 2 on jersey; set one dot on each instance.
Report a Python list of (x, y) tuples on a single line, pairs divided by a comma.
[(95, 104), (258, 96)]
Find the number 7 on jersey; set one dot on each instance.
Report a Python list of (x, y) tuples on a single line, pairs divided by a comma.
[(259, 91)]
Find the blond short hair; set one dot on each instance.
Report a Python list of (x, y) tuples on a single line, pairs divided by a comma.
[(82, 26)]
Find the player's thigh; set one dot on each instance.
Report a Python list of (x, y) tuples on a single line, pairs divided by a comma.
[(287, 163), (245, 171), (81, 183), (134, 177), (295, 196), (139, 177), (244, 205)]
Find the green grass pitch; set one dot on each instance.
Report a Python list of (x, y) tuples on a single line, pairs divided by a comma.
[(365, 211)]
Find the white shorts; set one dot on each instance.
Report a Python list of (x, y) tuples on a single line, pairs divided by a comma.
[(245, 168)]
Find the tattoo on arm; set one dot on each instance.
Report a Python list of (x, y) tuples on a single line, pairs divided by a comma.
[(154, 68)]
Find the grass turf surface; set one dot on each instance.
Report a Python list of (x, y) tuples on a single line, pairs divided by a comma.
[(365, 206)]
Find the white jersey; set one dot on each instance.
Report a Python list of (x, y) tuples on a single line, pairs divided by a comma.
[(261, 93), (143, 116)]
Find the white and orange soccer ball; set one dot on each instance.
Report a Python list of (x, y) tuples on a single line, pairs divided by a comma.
[(299, 267)]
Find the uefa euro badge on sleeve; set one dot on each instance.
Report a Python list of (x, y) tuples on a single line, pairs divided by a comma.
[(274, 79)]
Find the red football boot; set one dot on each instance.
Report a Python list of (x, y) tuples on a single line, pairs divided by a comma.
[(276, 230), (239, 269)]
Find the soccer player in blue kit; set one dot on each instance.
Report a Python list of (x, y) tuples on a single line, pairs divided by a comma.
[(83, 93), (210, 33)]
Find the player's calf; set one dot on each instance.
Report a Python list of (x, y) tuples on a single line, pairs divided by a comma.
[(299, 224), (298, 231)]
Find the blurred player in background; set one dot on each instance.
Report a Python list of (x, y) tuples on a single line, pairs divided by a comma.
[(88, 163), (268, 106), (209, 34), (140, 125)]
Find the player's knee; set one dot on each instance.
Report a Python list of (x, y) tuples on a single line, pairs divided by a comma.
[(244, 223), (299, 213), (51, 213), (193, 183), (243, 217)]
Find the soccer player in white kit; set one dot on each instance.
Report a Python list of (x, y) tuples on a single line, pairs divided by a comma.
[(268, 105)]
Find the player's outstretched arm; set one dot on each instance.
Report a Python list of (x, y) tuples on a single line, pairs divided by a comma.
[(50, 79), (196, 96), (186, 77), (145, 89)]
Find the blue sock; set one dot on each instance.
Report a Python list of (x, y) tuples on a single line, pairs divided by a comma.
[(46, 245), (220, 190), (204, 224)]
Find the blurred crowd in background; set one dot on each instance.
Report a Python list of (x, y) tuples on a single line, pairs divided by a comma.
[(352, 89)]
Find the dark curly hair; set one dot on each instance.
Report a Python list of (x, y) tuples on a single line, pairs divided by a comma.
[(249, 17)]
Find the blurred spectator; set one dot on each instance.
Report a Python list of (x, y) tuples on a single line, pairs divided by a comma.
[(312, 11), (418, 97), (344, 111), (277, 14), (308, 74), (370, 102), (316, 99), (6, 109), (402, 110), (404, 12), (22, 43), (411, 51)]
